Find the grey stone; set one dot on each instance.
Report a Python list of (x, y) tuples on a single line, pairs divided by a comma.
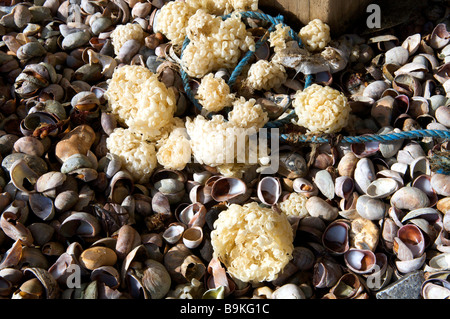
[(407, 287)]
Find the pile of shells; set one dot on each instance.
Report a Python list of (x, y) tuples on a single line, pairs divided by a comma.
[(375, 210)]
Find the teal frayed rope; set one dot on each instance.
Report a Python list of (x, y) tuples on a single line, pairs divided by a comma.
[(293, 138)]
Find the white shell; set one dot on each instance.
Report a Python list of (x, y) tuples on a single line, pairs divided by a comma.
[(382, 188), (324, 183), (397, 55)]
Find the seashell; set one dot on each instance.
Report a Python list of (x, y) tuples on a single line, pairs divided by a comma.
[(326, 273), (12, 256), (382, 188), (371, 208), (360, 261), (397, 55), (438, 263), (29, 145), (365, 149), (75, 40), (435, 102), (85, 101), (129, 49), (127, 239), (375, 89), (19, 208), (324, 183), (182, 265), (288, 291), (412, 237), (303, 258), (52, 249), (439, 37), (407, 84), (121, 185), (156, 279), (410, 152), (95, 257), (100, 25), (443, 205), (442, 115), (382, 110), (435, 288), (193, 237), (193, 215), (13, 276), (109, 122), (292, 165), (305, 187), (227, 188), (42, 206), (347, 164), (419, 166), (42, 233), (49, 182), (85, 174), (174, 232), (269, 190), (348, 206), (107, 275), (412, 43), (37, 164), (81, 224), (407, 266), (160, 204), (30, 50), (440, 183), (344, 186), (74, 162), (33, 257), (42, 285), (335, 237), (417, 70), (423, 182), (312, 227), (348, 287), (364, 174), (22, 176), (201, 194), (14, 229), (418, 106), (409, 198), (77, 141), (389, 149), (317, 207), (88, 73)]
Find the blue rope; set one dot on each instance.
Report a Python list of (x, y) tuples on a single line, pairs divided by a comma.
[(293, 138)]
